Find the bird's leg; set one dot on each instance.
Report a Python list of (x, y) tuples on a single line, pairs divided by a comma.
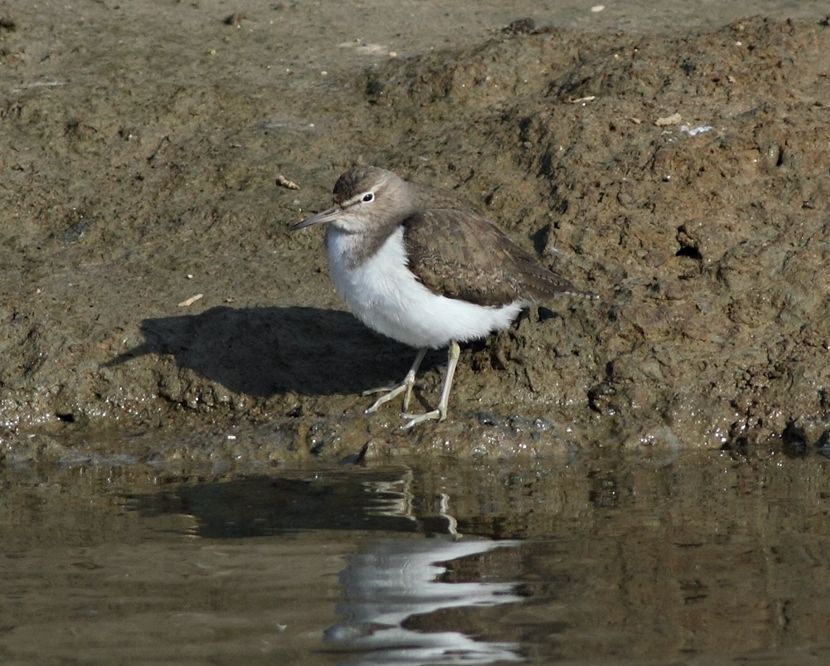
[(441, 413), (404, 387)]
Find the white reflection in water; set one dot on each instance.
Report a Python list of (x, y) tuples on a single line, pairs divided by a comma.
[(399, 578)]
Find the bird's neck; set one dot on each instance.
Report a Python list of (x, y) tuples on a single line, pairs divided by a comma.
[(352, 248)]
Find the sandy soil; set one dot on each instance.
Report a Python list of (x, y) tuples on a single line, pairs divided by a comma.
[(675, 161)]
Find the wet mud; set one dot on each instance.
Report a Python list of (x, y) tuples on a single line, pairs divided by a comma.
[(150, 282)]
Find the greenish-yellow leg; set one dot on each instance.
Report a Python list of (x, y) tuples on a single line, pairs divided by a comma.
[(441, 413)]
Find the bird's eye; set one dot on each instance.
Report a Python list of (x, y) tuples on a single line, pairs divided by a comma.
[(369, 196)]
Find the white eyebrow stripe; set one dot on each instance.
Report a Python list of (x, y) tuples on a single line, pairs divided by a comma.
[(357, 197), (352, 201)]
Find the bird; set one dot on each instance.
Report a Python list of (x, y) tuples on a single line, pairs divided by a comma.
[(422, 266)]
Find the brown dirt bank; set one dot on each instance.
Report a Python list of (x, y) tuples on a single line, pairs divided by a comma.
[(127, 191)]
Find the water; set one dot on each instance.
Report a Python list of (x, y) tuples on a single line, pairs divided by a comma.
[(606, 559)]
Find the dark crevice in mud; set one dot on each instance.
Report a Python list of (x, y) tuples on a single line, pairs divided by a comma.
[(690, 252), (794, 440)]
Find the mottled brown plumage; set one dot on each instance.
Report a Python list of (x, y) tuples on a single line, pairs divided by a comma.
[(461, 254)]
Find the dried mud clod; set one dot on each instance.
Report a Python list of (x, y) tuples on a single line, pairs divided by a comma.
[(234, 19)]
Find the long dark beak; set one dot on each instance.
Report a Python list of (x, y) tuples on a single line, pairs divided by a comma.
[(320, 218)]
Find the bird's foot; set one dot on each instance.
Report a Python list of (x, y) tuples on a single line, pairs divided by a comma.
[(415, 419), (395, 390), (390, 393), (380, 389)]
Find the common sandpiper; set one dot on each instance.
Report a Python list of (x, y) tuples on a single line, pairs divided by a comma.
[(423, 267)]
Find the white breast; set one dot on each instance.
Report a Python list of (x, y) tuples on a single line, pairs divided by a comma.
[(384, 294)]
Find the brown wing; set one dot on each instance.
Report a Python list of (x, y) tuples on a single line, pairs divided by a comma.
[(463, 255)]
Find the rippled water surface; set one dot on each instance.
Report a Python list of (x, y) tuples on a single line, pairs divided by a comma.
[(707, 559)]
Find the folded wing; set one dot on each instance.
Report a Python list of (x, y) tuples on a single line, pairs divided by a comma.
[(463, 255)]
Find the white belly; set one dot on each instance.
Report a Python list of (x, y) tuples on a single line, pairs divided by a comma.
[(387, 297)]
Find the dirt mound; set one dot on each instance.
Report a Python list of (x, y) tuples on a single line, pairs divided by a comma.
[(704, 232), (683, 178)]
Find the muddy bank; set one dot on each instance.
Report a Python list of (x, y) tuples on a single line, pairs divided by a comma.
[(683, 178)]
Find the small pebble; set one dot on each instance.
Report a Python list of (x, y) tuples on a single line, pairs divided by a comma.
[(673, 119), (282, 181)]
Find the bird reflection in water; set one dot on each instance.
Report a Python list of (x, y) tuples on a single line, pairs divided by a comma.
[(395, 579)]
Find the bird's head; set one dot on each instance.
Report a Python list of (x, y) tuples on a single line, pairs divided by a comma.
[(365, 197)]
